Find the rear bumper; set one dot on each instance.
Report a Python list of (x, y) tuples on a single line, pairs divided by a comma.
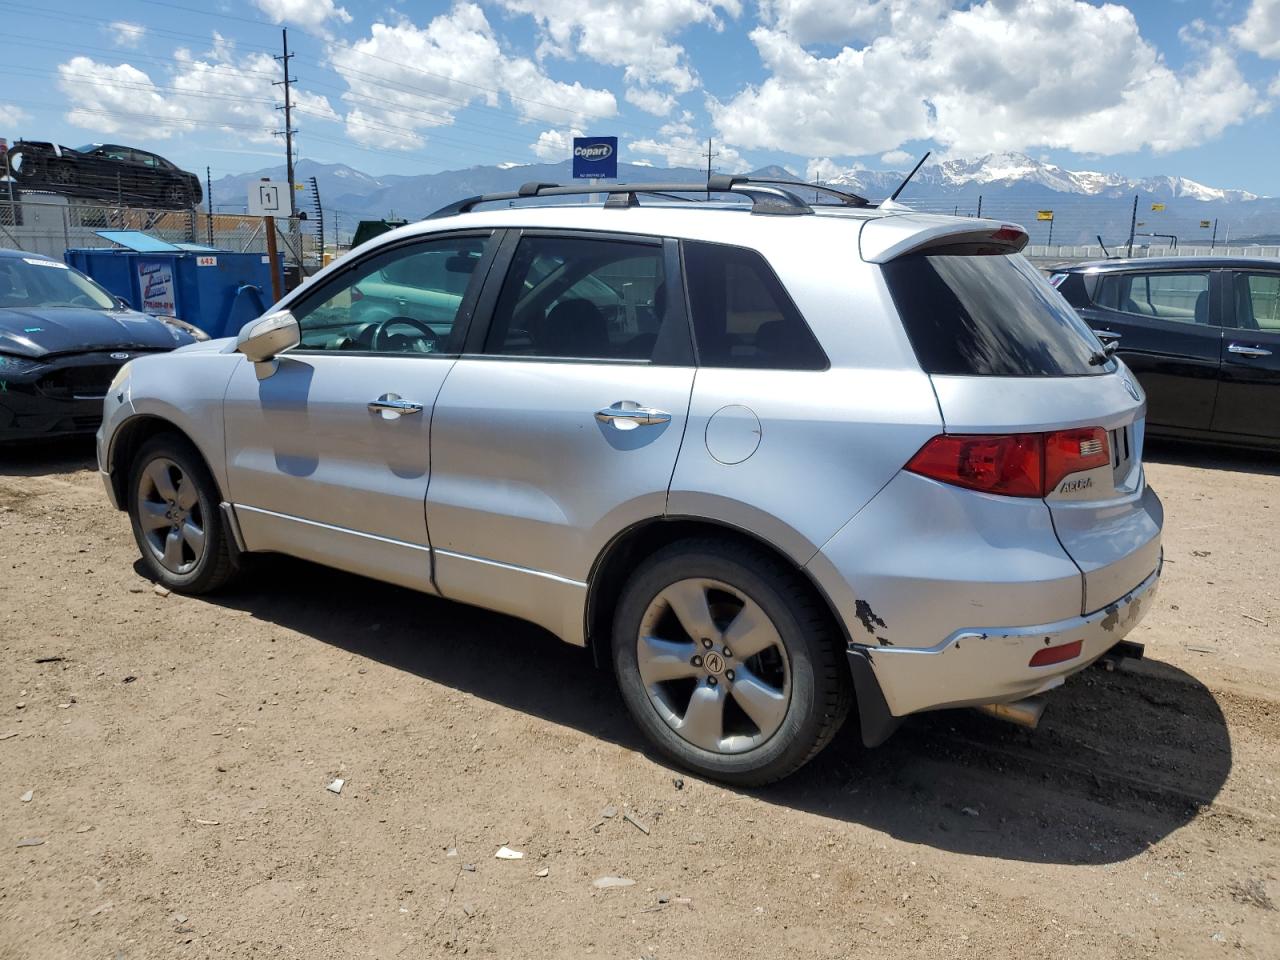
[(990, 665)]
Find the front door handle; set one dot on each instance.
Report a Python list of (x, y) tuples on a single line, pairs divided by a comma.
[(392, 405), (1247, 351), (628, 414)]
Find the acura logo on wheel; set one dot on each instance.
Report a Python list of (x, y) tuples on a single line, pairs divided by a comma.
[(713, 662)]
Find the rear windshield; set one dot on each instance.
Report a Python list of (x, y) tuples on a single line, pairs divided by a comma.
[(993, 316)]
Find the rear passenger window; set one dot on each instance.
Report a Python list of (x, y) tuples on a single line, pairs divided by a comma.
[(587, 299), (742, 317), (1258, 301), (1181, 296)]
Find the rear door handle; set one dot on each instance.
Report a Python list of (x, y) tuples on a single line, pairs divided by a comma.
[(392, 405), (1245, 350), (628, 413)]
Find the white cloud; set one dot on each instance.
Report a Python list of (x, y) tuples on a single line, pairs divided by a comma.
[(821, 168), (678, 145), (215, 89), (894, 157), (627, 34), (838, 21), (1260, 29), (116, 99), (466, 65), (126, 34), (308, 14), (553, 146), (999, 75), (9, 115), (651, 101)]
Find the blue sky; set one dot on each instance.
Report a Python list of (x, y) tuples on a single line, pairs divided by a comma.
[(1147, 87)]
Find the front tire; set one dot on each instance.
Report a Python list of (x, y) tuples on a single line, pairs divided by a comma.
[(173, 508), (729, 662)]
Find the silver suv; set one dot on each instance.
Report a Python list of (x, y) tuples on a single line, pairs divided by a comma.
[(770, 459)]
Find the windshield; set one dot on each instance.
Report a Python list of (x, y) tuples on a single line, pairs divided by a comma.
[(27, 282), (991, 316)]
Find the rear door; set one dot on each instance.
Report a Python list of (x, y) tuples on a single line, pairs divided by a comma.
[(1167, 330), (1007, 355), (1249, 393), (560, 424)]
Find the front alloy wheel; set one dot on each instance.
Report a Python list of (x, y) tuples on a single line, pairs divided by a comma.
[(171, 517), (173, 508)]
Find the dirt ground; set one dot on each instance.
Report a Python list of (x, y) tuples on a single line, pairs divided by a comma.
[(178, 751)]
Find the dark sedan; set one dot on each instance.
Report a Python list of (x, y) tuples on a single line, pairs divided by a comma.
[(1202, 334), (62, 340), (104, 171)]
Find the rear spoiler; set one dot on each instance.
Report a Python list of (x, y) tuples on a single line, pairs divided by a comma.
[(888, 238)]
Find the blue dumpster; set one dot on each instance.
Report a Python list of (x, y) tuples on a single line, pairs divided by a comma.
[(216, 290)]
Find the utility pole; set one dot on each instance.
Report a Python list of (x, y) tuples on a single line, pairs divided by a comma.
[(1133, 223), (288, 130), (709, 155), (979, 206), (208, 200), (1214, 238)]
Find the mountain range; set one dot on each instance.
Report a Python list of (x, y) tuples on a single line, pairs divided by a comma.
[(1012, 186)]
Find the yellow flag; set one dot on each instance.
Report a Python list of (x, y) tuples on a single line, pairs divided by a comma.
[(1157, 207), (1205, 224), (1044, 214)]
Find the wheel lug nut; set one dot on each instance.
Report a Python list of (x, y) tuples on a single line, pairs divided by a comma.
[(696, 661), (711, 681), (727, 653), (728, 675), (706, 643)]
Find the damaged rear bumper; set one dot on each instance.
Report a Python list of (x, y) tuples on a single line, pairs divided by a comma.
[(990, 665)]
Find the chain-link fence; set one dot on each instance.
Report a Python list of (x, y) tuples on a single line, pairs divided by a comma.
[(1071, 221), (52, 228)]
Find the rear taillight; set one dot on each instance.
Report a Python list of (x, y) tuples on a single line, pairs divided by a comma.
[(1070, 451), (1012, 465)]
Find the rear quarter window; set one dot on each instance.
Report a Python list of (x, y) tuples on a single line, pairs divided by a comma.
[(994, 316)]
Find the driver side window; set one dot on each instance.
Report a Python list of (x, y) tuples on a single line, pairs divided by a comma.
[(404, 301)]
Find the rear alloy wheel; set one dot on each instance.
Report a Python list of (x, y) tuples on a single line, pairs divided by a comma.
[(176, 195), (61, 173), (173, 506), (728, 662)]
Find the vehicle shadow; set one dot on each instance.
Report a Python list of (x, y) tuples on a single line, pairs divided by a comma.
[(1208, 456), (33, 458), (1120, 761)]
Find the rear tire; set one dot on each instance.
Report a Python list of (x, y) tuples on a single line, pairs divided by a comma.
[(748, 716), (174, 511)]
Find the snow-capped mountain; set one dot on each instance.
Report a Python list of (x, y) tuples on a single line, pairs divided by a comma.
[(1017, 171)]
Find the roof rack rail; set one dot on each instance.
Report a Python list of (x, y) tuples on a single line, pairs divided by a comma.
[(766, 197)]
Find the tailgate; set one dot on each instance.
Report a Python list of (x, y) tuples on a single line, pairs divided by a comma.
[(1106, 518)]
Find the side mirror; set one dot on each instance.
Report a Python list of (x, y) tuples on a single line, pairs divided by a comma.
[(124, 303), (264, 338)]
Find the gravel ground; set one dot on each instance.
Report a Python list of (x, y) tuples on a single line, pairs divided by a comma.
[(178, 753)]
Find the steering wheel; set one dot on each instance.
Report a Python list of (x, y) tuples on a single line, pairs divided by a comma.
[(381, 340)]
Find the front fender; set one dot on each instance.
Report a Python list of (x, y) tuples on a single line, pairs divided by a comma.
[(184, 390)]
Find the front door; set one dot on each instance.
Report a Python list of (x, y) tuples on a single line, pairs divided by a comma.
[(1166, 329), (560, 425), (328, 458), (1249, 394)]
